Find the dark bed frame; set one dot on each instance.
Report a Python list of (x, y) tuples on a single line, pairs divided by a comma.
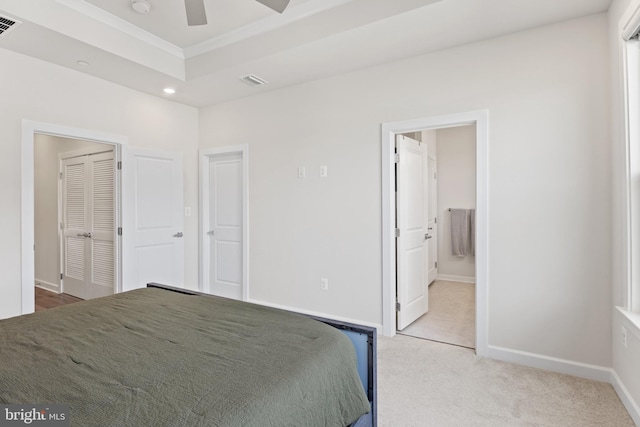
[(364, 340)]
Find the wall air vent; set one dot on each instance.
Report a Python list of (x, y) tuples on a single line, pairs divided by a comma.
[(7, 24), (253, 80)]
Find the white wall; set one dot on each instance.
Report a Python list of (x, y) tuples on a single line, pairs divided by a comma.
[(625, 360), (430, 137), (46, 165), (456, 154), (547, 92), (39, 91)]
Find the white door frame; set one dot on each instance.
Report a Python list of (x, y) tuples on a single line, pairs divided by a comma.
[(29, 130), (433, 201), (205, 158), (389, 130)]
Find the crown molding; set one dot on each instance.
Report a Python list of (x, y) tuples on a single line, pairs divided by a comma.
[(120, 24), (262, 26)]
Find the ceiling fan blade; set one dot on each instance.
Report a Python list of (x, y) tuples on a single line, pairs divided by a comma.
[(196, 14), (277, 5)]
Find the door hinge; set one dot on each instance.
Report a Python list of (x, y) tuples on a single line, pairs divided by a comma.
[(436, 264), (397, 306), (397, 232), (119, 231), (61, 175), (61, 226), (396, 159), (435, 220), (60, 276), (119, 165)]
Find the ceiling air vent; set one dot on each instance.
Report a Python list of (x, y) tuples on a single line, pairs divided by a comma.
[(7, 24), (253, 80)]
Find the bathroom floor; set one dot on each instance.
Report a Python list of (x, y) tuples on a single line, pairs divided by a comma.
[(451, 316)]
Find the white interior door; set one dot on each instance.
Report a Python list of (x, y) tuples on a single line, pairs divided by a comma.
[(225, 225), (152, 218), (88, 218), (432, 229), (412, 286)]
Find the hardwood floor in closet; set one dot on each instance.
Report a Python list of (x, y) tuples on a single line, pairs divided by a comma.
[(47, 299)]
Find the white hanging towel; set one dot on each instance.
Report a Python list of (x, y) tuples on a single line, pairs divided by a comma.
[(459, 232)]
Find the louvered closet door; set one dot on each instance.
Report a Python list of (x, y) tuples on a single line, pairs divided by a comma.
[(101, 275), (75, 196), (88, 219)]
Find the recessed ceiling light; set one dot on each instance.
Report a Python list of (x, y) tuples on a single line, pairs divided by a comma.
[(141, 6), (82, 63), (169, 90)]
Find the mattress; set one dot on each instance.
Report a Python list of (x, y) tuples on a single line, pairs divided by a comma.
[(156, 357)]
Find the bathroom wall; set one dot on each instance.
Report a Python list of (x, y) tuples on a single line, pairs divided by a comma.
[(456, 153)]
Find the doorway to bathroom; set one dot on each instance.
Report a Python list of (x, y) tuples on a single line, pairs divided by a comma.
[(435, 251), (439, 205)]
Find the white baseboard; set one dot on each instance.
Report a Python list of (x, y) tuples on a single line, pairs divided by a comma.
[(48, 286), (624, 395), (317, 314), (563, 366), (569, 367), (452, 278)]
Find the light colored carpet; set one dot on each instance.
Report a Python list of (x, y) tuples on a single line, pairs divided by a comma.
[(429, 384), (451, 317)]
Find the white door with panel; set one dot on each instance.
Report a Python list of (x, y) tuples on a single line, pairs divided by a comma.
[(88, 223), (224, 227), (152, 218), (432, 228), (411, 247)]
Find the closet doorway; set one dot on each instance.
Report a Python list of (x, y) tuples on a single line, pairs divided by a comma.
[(477, 120), (75, 216)]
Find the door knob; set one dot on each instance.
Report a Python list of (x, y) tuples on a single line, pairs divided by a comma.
[(87, 235), (211, 232), (427, 237), (178, 234)]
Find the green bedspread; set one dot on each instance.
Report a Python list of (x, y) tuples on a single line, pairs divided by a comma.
[(152, 357)]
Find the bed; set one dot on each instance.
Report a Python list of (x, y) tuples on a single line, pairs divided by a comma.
[(164, 356)]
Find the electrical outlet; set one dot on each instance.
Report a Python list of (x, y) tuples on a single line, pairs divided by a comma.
[(187, 211), (624, 337), (302, 172), (323, 171), (324, 284)]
